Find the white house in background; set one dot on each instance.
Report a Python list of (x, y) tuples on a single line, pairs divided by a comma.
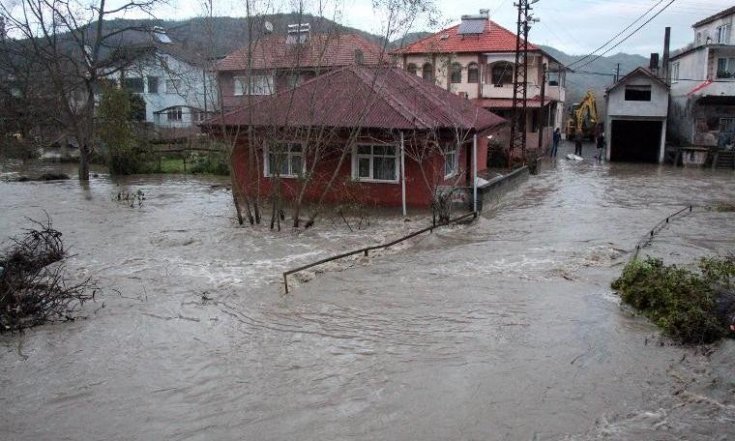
[(179, 90), (635, 125), (703, 84)]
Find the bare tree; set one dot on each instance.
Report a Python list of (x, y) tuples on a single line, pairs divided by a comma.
[(71, 41)]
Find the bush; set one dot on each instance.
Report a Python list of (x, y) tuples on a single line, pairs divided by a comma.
[(688, 306), (213, 164), (32, 290)]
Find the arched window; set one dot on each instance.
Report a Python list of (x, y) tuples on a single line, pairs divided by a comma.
[(456, 73), (502, 73), (473, 73), (427, 72), (411, 68)]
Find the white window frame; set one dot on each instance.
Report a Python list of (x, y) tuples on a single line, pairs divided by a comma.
[(175, 114), (290, 154), (675, 71), (260, 84), (730, 63), (356, 156), (723, 34), (451, 156)]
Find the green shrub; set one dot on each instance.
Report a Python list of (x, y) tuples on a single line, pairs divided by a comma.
[(683, 303), (213, 164)]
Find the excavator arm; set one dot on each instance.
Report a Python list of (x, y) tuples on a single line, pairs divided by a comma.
[(586, 114)]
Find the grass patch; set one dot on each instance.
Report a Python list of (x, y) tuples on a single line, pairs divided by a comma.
[(171, 165), (695, 307)]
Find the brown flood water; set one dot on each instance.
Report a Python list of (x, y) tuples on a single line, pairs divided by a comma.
[(502, 330)]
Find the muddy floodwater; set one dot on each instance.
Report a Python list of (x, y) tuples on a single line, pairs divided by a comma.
[(505, 329)]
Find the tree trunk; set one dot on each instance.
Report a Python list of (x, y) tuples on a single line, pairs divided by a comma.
[(84, 162)]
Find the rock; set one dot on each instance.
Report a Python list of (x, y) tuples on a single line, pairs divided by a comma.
[(53, 177)]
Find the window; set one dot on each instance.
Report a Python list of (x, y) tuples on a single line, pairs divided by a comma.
[(411, 68), (456, 73), (285, 159), (134, 85), (699, 38), (473, 73), (253, 85), (637, 93), (375, 163), (727, 125), (723, 34), (173, 86), (359, 56), (175, 114), (675, 71), (153, 85), (427, 72), (451, 163), (293, 80), (502, 73), (725, 67)]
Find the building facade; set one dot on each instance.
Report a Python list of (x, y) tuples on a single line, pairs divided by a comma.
[(635, 125), (476, 59), (178, 88), (364, 135), (702, 110), (277, 62)]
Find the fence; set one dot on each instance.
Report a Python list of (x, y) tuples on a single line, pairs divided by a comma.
[(366, 250), (646, 240)]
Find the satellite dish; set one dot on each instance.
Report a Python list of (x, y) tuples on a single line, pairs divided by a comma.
[(268, 27)]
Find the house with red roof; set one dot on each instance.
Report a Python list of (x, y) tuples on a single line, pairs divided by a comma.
[(358, 134), (702, 75), (476, 59), (276, 62)]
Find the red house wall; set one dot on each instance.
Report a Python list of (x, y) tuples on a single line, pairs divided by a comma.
[(344, 189)]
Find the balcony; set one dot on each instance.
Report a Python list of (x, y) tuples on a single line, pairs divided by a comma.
[(552, 92)]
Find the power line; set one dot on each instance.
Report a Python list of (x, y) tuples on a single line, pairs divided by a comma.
[(629, 35), (619, 33)]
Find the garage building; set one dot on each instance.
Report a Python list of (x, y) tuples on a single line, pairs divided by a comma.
[(637, 108)]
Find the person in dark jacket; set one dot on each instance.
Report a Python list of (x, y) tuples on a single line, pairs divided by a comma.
[(600, 146), (555, 139), (578, 143)]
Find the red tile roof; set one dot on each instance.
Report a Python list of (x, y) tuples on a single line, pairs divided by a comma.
[(322, 50), (494, 38), (358, 96)]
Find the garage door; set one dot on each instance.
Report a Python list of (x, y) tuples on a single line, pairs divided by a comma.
[(635, 141)]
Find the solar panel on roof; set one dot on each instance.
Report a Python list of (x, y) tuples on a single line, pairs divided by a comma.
[(471, 27)]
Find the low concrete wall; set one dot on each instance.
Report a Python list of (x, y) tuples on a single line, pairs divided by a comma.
[(491, 193)]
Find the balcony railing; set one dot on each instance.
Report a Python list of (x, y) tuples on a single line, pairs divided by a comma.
[(554, 93)]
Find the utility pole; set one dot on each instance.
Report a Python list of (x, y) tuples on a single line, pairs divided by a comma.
[(520, 81), (617, 73)]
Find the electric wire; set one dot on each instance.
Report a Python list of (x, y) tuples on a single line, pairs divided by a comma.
[(619, 33), (629, 35)]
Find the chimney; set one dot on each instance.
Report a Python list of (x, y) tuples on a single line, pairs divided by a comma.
[(653, 65), (298, 33), (665, 62)]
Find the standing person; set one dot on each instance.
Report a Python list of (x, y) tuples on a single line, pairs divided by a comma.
[(578, 143), (555, 139), (600, 146)]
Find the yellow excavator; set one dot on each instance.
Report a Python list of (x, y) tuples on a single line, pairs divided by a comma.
[(583, 116)]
